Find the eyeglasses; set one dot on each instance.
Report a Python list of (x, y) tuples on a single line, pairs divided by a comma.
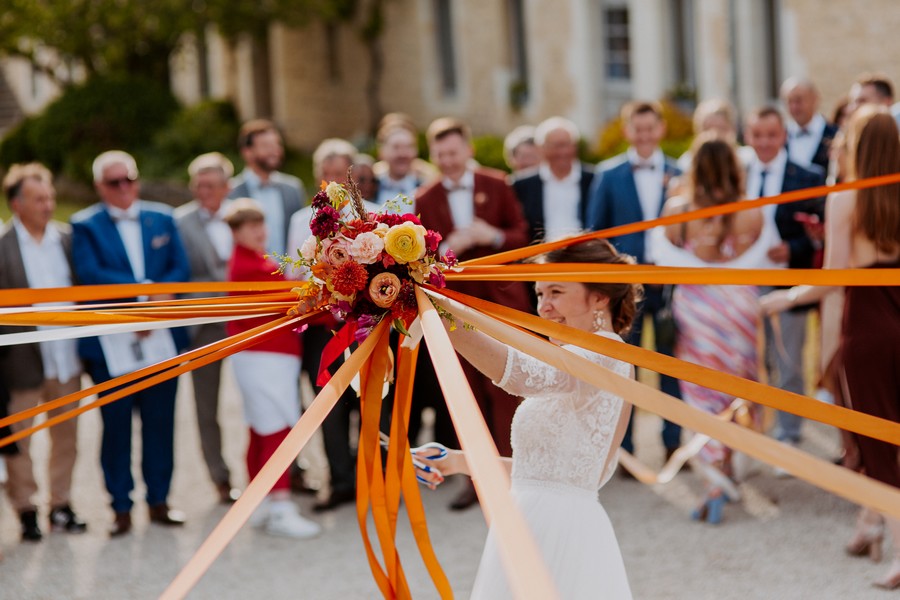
[(120, 182)]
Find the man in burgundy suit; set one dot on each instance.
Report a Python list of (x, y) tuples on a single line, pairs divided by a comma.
[(477, 214)]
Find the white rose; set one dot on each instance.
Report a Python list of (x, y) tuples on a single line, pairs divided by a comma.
[(308, 249), (366, 248)]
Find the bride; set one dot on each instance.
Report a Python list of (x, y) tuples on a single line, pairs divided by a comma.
[(562, 434)]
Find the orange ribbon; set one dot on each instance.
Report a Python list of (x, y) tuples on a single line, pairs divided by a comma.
[(823, 474), (286, 453), (702, 213), (809, 408), (528, 574)]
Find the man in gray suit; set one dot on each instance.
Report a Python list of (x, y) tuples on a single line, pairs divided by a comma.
[(208, 243), (37, 252), (280, 195)]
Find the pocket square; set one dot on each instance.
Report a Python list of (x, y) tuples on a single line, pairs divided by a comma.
[(159, 241)]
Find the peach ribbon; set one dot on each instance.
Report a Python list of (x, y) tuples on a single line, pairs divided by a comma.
[(809, 408), (649, 274), (528, 574), (703, 213), (300, 434), (837, 480)]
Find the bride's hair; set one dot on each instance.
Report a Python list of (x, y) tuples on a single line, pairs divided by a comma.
[(623, 297)]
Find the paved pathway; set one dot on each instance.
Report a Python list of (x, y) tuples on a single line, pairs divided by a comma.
[(785, 541)]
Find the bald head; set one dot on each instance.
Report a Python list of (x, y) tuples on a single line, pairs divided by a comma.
[(801, 98)]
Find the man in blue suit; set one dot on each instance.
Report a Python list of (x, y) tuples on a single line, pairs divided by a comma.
[(126, 240), (773, 173), (630, 188)]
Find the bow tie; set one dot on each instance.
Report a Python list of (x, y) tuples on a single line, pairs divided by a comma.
[(118, 215), (642, 165), (803, 131), (457, 188)]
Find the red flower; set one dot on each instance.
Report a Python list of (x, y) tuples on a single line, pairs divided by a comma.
[(432, 240), (353, 228), (349, 278), (411, 218)]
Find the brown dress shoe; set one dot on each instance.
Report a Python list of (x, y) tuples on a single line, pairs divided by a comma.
[(227, 494), (163, 515), (121, 525), (466, 498)]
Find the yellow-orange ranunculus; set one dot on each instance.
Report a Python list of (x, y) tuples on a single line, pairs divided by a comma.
[(405, 242)]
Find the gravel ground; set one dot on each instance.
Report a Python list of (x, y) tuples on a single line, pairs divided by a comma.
[(783, 541)]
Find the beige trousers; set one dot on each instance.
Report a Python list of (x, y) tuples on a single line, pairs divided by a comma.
[(22, 486)]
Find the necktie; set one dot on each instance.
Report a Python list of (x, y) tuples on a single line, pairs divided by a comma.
[(762, 183)]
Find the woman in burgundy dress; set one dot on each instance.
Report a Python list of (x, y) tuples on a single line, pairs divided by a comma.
[(863, 231)]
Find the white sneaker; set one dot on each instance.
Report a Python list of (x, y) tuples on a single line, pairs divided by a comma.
[(284, 520), (260, 516)]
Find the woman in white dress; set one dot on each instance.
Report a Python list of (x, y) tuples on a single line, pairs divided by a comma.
[(565, 436)]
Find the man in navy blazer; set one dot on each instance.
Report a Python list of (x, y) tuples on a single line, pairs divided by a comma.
[(555, 196), (773, 173), (809, 134), (126, 240), (631, 188)]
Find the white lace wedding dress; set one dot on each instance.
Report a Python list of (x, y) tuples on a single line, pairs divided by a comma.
[(561, 438)]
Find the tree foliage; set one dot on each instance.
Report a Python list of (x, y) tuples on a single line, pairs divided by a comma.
[(137, 37)]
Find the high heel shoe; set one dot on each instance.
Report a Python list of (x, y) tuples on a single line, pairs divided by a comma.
[(867, 542)]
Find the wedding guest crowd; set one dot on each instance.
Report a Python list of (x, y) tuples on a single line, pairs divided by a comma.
[(234, 225)]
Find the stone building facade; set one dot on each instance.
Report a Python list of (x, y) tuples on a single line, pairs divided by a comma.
[(503, 63)]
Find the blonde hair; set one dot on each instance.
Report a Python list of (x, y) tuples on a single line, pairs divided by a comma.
[(242, 211)]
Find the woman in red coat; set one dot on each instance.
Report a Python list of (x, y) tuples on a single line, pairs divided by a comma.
[(267, 374)]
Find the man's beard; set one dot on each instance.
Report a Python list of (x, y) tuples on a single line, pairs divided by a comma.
[(267, 165)]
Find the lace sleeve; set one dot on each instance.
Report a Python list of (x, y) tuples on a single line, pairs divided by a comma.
[(529, 377)]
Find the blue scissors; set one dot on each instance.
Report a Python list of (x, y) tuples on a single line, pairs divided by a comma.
[(441, 455)]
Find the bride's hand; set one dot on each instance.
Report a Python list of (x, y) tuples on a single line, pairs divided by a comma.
[(433, 462)]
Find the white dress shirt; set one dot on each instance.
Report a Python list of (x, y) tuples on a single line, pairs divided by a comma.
[(774, 180), (129, 226), (649, 175), (562, 198), (269, 198), (46, 266), (388, 189), (218, 231), (804, 141), (461, 199)]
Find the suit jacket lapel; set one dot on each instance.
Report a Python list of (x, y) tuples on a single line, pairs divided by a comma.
[(17, 275), (109, 230), (442, 207), (480, 199)]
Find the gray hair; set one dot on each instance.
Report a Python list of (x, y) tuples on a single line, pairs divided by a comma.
[(209, 162), (110, 158), (553, 124), (332, 148)]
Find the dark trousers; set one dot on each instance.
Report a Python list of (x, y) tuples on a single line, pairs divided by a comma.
[(336, 426), (156, 407), (207, 380), (671, 432)]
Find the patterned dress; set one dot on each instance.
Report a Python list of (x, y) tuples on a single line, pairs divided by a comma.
[(717, 324)]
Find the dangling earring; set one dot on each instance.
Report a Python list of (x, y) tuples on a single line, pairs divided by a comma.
[(599, 321)]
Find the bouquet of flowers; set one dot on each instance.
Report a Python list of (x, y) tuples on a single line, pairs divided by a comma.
[(363, 265)]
